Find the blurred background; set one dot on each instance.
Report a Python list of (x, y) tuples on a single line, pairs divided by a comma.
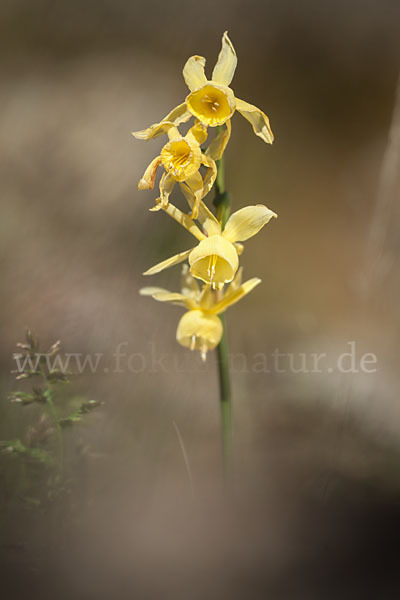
[(313, 509)]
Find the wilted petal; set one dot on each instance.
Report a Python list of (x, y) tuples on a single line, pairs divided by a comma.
[(246, 222), (224, 69), (193, 72), (217, 147), (167, 184), (195, 185), (211, 174), (258, 120), (149, 176), (173, 133), (197, 133)]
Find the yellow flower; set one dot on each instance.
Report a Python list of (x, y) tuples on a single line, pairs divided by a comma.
[(215, 259), (212, 101), (181, 158), (200, 328)]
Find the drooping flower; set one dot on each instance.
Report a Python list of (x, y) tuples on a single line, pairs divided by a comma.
[(215, 259), (212, 101), (200, 328), (181, 158)]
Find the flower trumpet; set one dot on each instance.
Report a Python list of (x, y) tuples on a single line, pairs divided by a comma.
[(215, 259), (181, 158), (200, 328), (212, 101)]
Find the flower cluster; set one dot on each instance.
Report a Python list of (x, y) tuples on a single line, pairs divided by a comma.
[(214, 260)]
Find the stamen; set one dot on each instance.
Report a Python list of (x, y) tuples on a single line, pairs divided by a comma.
[(212, 103), (212, 262), (203, 352), (193, 342)]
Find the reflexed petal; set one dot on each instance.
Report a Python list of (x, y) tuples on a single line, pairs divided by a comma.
[(167, 184), (211, 174), (205, 217), (184, 220), (235, 295), (258, 120), (189, 285), (224, 69), (163, 295), (207, 297), (239, 247), (237, 281), (217, 147), (150, 291), (178, 115), (149, 176), (214, 261), (173, 133), (198, 133), (195, 184), (246, 222), (193, 72), (199, 330), (169, 262)]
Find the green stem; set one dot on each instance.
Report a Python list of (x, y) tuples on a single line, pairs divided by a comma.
[(222, 203), (225, 396)]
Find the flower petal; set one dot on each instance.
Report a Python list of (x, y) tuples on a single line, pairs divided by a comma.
[(195, 184), (149, 176), (184, 220), (197, 133), (199, 330), (214, 261), (167, 184), (205, 217), (193, 72), (169, 262), (224, 69), (150, 291), (173, 133), (258, 120), (246, 222), (235, 295), (178, 115), (237, 281), (164, 295), (211, 174), (217, 147), (189, 285)]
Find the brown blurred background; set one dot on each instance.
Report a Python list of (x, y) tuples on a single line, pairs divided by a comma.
[(314, 507)]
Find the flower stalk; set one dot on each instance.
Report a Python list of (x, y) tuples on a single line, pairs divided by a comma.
[(211, 280), (222, 204)]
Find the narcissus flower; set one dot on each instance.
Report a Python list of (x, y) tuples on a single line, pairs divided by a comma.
[(181, 158), (215, 259), (200, 328), (212, 101)]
